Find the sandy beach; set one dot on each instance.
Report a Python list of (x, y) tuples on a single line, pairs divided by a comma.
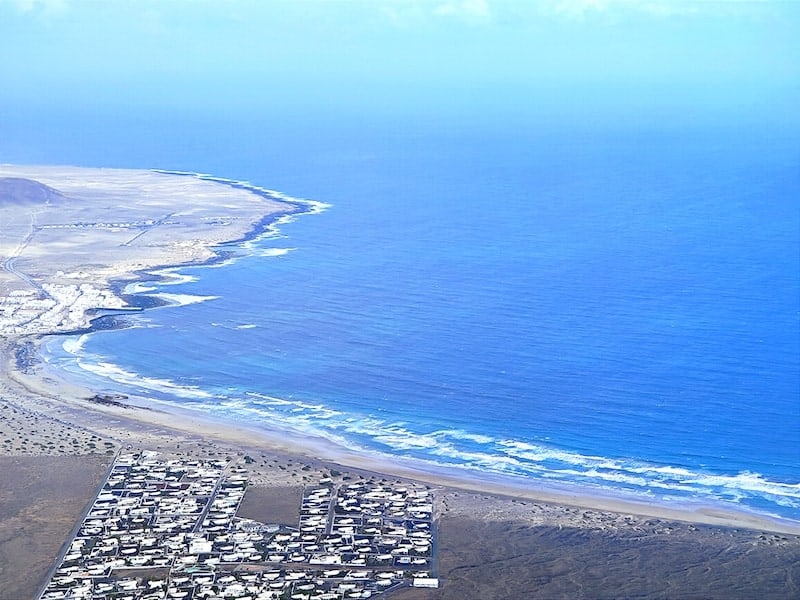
[(499, 538), (495, 541), (135, 419)]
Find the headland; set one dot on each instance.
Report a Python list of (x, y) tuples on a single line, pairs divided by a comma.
[(72, 238)]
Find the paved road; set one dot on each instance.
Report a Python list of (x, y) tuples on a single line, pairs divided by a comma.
[(9, 266)]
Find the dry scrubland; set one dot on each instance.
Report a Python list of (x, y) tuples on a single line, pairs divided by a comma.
[(64, 239), (490, 546)]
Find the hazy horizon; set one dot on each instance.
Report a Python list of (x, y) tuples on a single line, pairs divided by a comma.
[(464, 59)]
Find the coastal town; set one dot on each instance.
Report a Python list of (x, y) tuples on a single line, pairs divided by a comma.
[(54, 308), (167, 528)]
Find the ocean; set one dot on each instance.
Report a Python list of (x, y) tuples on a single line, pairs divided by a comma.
[(609, 304)]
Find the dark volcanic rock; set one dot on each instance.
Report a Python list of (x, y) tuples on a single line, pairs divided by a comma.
[(509, 561), (20, 191)]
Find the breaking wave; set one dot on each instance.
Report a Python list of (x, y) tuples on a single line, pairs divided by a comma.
[(459, 448), (466, 443)]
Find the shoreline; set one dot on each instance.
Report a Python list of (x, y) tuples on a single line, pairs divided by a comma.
[(309, 445), (139, 407), (46, 381), (38, 378), (490, 544), (59, 433)]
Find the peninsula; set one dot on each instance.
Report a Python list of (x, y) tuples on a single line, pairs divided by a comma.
[(72, 239), (69, 233)]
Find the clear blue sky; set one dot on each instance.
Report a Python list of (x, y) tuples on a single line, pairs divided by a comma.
[(398, 55)]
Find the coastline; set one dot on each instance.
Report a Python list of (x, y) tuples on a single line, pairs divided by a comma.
[(212, 247), (493, 539), (42, 380), (51, 423), (138, 406)]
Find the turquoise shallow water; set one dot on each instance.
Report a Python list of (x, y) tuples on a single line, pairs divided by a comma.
[(613, 308)]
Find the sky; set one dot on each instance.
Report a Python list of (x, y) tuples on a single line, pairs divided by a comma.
[(393, 56)]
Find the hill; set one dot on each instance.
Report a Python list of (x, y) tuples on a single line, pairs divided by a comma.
[(20, 191)]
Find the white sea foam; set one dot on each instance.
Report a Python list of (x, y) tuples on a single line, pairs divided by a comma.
[(270, 400), (447, 447), (538, 453), (271, 231), (172, 276), (677, 471), (515, 457), (401, 439), (615, 477), (268, 252), (317, 411), (314, 205), (181, 299), (787, 502), (138, 288), (464, 435), (603, 472), (219, 264), (246, 326), (118, 374), (666, 477), (75, 345), (457, 448), (753, 482)]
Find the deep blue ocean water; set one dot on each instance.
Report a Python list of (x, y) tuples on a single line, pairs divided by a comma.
[(612, 305)]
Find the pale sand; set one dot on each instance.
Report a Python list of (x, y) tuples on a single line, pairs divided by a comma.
[(496, 541)]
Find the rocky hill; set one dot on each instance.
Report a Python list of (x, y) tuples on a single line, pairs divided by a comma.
[(16, 191)]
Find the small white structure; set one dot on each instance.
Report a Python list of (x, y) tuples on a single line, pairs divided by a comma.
[(425, 582)]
